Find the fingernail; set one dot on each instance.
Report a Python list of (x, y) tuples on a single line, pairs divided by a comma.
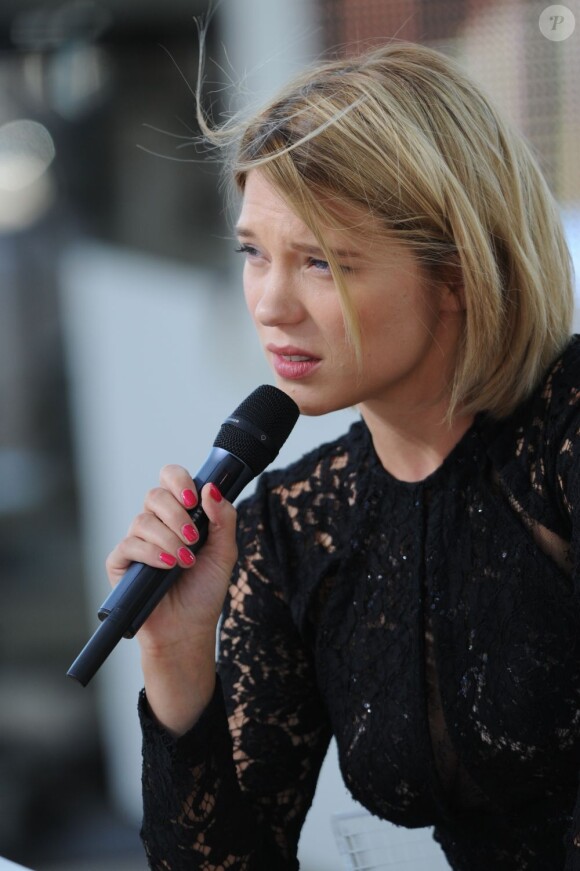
[(215, 493), (189, 498), (167, 559), (190, 533), (186, 556)]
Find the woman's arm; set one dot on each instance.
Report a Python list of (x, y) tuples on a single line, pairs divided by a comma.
[(177, 641), (229, 768)]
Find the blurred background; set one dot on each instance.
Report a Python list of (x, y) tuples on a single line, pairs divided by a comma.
[(124, 342)]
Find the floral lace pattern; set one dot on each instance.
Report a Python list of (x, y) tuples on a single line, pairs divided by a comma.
[(432, 627)]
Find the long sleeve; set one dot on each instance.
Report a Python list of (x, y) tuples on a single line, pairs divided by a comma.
[(234, 791), (568, 493)]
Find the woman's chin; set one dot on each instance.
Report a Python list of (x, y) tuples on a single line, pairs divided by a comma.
[(310, 402)]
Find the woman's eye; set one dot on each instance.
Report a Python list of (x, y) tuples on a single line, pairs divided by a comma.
[(322, 265), (319, 265), (246, 249)]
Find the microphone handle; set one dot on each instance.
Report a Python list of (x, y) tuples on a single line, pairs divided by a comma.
[(142, 587), (96, 650)]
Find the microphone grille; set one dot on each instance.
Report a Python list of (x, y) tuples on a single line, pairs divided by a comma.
[(258, 427)]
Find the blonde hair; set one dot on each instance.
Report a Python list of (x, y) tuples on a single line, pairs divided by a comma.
[(404, 133)]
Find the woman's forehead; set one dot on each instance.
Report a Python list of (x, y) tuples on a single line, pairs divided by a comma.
[(335, 216)]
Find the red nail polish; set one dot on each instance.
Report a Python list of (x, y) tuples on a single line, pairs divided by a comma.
[(189, 498), (167, 559), (190, 533), (186, 556), (215, 493)]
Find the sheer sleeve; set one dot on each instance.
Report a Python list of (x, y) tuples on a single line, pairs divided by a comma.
[(233, 793), (566, 448)]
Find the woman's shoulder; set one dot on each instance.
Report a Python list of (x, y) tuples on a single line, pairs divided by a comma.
[(526, 447), (331, 460), (295, 518), (559, 392), (324, 476), (554, 399), (546, 415)]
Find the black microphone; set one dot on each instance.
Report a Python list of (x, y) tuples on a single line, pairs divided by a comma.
[(248, 441)]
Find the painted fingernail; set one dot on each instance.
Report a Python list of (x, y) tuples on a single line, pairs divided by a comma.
[(215, 493), (189, 498), (167, 559), (186, 556), (190, 533)]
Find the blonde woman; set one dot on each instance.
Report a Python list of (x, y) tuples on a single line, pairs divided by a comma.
[(409, 588)]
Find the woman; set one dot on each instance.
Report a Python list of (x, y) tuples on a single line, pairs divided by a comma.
[(409, 587)]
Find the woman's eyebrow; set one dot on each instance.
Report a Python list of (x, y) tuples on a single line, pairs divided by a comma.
[(314, 249), (246, 233)]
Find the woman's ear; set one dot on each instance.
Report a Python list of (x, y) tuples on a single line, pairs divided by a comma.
[(450, 279)]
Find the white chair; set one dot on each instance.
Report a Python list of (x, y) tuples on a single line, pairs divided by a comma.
[(367, 843)]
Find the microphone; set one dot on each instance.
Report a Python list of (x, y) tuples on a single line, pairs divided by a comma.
[(248, 441)]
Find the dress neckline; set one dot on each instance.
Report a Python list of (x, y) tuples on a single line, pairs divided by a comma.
[(456, 456)]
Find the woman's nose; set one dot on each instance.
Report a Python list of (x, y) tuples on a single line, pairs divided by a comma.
[(278, 304)]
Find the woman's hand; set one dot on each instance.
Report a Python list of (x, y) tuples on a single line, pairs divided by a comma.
[(178, 638)]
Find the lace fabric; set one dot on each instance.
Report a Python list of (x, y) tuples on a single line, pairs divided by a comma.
[(432, 627)]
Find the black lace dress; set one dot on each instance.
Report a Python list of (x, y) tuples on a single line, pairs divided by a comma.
[(432, 627)]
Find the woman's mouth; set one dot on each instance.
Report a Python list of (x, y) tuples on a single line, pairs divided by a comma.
[(293, 363)]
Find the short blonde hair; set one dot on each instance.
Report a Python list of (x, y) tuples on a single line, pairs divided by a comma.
[(404, 133)]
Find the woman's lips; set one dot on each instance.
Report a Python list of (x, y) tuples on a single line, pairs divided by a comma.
[(293, 363)]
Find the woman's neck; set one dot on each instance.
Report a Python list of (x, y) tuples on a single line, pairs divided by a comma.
[(411, 446)]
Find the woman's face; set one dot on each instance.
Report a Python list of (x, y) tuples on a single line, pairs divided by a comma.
[(409, 326)]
